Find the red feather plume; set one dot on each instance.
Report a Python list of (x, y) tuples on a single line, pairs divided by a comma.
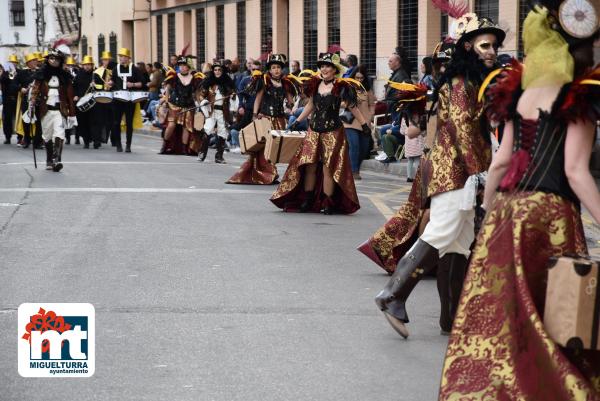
[(61, 42), (454, 8), (582, 99), (501, 94), (185, 50)]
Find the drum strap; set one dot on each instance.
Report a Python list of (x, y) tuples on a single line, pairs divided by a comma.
[(124, 75)]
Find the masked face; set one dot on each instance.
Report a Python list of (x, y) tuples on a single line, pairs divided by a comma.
[(486, 47)]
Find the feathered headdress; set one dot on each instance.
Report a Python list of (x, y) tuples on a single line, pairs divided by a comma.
[(60, 49), (410, 96)]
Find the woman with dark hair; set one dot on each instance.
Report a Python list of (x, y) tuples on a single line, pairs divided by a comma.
[(319, 176), (358, 142), (499, 348), (427, 71)]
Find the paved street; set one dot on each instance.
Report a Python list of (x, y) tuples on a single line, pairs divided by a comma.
[(204, 291)]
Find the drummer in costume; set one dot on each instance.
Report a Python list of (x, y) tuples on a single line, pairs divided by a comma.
[(273, 91), (181, 88), (461, 153), (126, 77), (214, 96), (102, 113), (10, 93), (319, 176), (82, 85), (537, 184), (25, 77), (71, 67), (52, 95)]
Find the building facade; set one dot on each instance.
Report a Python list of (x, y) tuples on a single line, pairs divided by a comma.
[(370, 29), (33, 25)]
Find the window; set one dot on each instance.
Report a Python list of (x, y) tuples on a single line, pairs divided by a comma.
[(523, 11), (112, 43), (241, 31), (266, 27), (333, 23), (159, 38), (171, 33), (487, 8), (408, 32), (200, 36), (310, 33), (84, 44), (17, 13), (101, 46), (444, 25), (368, 35), (220, 32)]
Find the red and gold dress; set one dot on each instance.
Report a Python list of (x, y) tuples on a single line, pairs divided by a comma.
[(185, 140), (324, 144), (257, 169), (498, 348)]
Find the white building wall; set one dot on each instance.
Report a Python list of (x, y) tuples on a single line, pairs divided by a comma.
[(26, 34)]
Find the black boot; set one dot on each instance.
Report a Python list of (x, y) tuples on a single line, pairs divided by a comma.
[(49, 155), (220, 149), (77, 142), (57, 162), (203, 151), (443, 286), (328, 206), (307, 204), (458, 272), (128, 143), (392, 299)]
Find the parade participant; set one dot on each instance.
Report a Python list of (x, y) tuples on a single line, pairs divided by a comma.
[(10, 92), (461, 150), (215, 92), (103, 113), (127, 77), (82, 84), (25, 77), (71, 67), (180, 91), (499, 346), (273, 90), (319, 176), (52, 95)]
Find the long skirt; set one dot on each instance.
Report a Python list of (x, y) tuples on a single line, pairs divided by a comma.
[(257, 170), (184, 140), (498, 348), (325, 148), (389, 243)]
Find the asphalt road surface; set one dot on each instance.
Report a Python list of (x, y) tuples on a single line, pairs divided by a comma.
[(202, 290)]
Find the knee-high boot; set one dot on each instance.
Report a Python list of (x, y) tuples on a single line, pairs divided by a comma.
[(57, 162), (458, 272), (443, 286), (220, 149), (49, 154), (420, 259), (203, 151)]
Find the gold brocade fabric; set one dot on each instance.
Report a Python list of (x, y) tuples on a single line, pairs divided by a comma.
[(185, 119), (330, 149), (498, 348), (400, 232), (459, 117), (257, 170)]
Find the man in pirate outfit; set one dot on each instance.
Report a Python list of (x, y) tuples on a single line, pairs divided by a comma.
[(460, 150), (52, 94), (215, 93)]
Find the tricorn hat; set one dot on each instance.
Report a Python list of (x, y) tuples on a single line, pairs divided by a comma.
[(280, 59), (443, 51), (333, 60), (470, 25)]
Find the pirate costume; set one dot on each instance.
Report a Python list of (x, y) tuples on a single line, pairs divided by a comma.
[(181, 91), (214, 104), (460, 154), (52, 95), (499, 348), (272, 94), (324, 145)]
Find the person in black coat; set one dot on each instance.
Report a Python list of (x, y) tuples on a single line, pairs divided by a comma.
[(81, 84)]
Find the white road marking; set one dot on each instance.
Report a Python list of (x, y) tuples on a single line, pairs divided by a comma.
[(141, 190)]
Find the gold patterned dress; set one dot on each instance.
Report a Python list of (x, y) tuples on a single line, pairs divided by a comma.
[(325, 143), (498, 348)]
